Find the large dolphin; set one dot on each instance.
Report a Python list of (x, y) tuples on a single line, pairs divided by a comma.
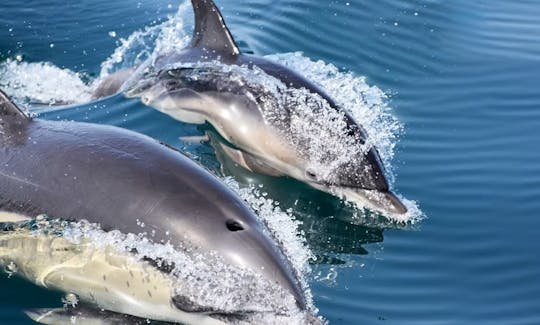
[(259, 121), (122, 181)]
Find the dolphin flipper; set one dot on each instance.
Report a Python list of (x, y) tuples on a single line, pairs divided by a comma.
[(81, 315), (224, 150), (210, 30)]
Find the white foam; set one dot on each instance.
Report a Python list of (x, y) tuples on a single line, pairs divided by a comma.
[(143, 44), (367, 104), (42, 83)]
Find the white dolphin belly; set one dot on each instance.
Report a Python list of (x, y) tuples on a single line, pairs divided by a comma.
[(100, 276)]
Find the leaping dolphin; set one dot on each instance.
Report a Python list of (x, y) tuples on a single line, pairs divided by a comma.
[(121, 180), (264, 121)]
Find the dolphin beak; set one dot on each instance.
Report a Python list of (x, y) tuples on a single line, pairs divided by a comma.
[(384, 202)]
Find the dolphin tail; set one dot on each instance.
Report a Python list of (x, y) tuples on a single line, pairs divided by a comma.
[(210, 31)]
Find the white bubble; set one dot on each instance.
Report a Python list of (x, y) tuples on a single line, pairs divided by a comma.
[(42, 82)]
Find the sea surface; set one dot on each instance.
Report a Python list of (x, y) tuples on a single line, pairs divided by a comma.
[(456, 99)]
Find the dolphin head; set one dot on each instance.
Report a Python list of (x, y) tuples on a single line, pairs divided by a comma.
[(360, 179), (211, 218)]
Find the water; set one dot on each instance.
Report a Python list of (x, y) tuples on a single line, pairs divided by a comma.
[(462, 79)]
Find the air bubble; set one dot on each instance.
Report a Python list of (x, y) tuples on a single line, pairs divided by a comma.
[(70, 300), (11, 269)]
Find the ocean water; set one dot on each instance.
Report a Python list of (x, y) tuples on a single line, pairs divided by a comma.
[(453, 101)]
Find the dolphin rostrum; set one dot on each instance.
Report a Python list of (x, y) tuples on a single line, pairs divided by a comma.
[(123, 181), (273, 120)]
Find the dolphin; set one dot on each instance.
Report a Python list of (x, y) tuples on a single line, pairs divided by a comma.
[(122, 181), (204, 82)]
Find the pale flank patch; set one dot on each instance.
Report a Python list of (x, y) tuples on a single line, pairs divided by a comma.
[(102, 276), (12, 217)]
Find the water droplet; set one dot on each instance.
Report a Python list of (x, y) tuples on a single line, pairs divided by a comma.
[(11, 269), (70, 300)]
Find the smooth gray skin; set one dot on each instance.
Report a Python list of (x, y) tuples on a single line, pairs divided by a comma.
[(118, 178), (182, 98)]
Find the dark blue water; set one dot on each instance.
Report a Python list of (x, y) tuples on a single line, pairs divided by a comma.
[(464, 79)]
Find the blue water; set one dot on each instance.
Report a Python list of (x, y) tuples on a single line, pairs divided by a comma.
[(463, 78)]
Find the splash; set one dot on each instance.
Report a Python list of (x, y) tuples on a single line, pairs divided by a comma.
[(367, 104), (43, 83), (166, 37)]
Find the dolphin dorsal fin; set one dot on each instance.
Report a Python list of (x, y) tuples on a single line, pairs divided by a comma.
[(9, 108), (210, 29)]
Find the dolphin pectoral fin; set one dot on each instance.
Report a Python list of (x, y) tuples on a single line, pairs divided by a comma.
[(242, 158), (210, 29), (259, 166), (80, 315), (194, 139), (9, 108)]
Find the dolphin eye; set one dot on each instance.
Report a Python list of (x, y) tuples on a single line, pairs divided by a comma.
[(234, 226), (311, 174)]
